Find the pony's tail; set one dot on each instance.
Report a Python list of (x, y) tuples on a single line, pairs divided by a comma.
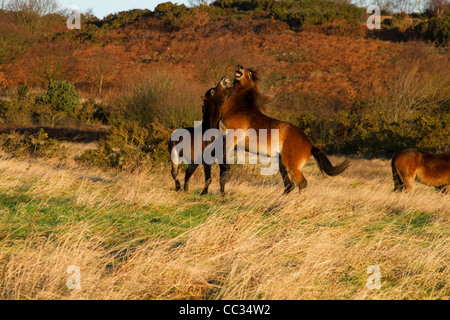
[(398, 183), (325, 164)]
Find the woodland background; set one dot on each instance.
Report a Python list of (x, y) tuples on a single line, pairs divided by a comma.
[(132, 77)]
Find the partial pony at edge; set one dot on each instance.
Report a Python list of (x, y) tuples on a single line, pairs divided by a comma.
[(325, 164), (398, 184)]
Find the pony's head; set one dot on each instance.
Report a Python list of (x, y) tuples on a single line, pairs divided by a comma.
[(246, 92), (213, 100), (244, 77)]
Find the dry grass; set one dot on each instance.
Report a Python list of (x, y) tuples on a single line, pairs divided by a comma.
[(133, 237)]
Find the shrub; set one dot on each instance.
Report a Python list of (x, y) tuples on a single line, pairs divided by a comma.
[(122, 18), (370, 130), (129, 146), (32, 145), (20, 107), (174, 15), (173, 100), (22, 91), (61, 99), (437, 30), (92, 112)]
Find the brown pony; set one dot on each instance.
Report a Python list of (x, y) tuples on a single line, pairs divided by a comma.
[(427, 168), (244, 108), (212, 100)]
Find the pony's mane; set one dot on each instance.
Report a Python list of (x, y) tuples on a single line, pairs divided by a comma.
[(253, 96), (259, 100), (256, 98)]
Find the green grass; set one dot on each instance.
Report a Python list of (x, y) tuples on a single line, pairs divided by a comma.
[(24, 215)]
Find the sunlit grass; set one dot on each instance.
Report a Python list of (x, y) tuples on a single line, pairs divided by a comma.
[(134, 237)]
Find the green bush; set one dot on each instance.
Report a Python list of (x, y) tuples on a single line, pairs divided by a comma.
[(174, 15), (60, 100), (22, 91), (436, 30), (299, 12), (19, 108), (122, 18), (367, 131), (129, 146), (32, 145), (92, 112)]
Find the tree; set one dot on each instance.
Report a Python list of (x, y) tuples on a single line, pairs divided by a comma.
[(51, 62), (28, 13), (101, 68), (438, 7)]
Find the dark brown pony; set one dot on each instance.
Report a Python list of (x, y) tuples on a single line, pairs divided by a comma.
[(212, 100), (427, 168), (244, 108)]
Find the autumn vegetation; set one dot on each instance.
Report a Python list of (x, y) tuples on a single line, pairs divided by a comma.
[(84, 120)]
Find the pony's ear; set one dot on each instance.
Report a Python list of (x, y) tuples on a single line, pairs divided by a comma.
[(253, 74)]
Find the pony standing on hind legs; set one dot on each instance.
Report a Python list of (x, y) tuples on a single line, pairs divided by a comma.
[(244, 110), (212, 100), (427, 168)]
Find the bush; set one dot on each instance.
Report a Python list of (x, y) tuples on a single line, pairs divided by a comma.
[(299, 12), (436, 30), (122, 19), (172, 100), (129, 146), (60, 100), (20, 107), (32, 145), (92, 112), (367, 130), (174, 15)]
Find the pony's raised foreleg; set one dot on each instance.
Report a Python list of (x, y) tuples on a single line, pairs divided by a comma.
[(190, 170), (175, 170), (207, 171)]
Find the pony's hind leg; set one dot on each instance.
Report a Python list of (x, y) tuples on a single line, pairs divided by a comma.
[(287, 179), (190, 170), (207, 171), (299, 178), (398, 184), (175, 170), (407, 182)]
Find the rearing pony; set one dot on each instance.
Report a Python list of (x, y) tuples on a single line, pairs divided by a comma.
[(427, 168), (243, 109)]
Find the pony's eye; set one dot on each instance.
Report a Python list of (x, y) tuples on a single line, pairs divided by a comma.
[(212, 91)]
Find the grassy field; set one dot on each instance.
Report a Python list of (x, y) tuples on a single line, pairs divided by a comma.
[(133, 237)]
